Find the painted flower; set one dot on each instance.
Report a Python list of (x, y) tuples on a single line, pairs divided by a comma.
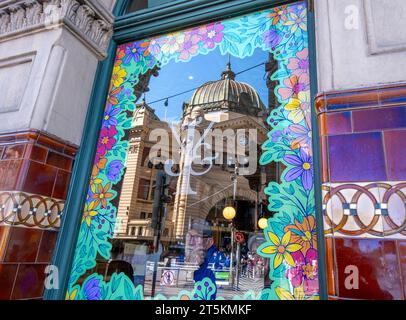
[(272, 38), (108, 118), (133, 52), (300, 64), (302, 167), (282, 248), (101, 195), (99, 164), (304, 233), (72, 295), (173, 43), (298, 294), (305, 272), (112, 96), (106, 140), (114, 170), (118, 76), (302, 135), (89, 212), (154, 46), (279, 13), (119, 56), (298, 107), (211, 34), (294, 85), (190, 46), (297, 21), (94, 181), (92, 289)]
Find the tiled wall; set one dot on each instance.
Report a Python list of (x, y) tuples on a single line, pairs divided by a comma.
[(35, 170), (363, 147)]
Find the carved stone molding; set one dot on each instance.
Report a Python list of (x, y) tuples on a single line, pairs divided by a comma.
[(86, 18)]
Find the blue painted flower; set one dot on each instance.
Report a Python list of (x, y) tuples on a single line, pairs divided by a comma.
[(132, 52), (114, 170), (109, 119), (303, 167), (272, 38), (92, 289)]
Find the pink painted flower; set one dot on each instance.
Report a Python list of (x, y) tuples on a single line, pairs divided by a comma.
[(106, 140), (211, 34), (300, 64), (305, 271), (294, 85), (190, 46)]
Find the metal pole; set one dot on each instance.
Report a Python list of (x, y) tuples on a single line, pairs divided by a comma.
[(157, 212), (232, 255), (237, 269)]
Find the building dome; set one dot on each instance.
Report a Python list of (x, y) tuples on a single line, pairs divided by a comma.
[(226, 94)]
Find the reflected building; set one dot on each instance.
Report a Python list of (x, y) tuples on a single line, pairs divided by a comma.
[(225, 123)]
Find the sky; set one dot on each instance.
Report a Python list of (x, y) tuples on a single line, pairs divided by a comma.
[(179, 77)]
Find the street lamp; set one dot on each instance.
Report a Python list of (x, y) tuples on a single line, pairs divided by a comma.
[(263, 223), (229, 213)]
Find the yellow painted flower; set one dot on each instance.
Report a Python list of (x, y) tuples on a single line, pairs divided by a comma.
[(297, 21), (299, 107), (89, 212), (72, 295), (298, 294), (282, 249), (118, 76)]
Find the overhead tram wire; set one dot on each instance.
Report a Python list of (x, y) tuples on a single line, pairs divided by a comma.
[(193, 89)]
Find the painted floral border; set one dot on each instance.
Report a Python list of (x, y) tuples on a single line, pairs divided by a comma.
[(291, 233)]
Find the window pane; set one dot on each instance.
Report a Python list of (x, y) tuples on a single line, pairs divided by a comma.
[(207, 146), (136, 5)]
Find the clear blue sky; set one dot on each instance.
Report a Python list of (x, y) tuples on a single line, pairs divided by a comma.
[(179, 77)]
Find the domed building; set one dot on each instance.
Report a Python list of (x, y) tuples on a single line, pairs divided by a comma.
[(225, 99)]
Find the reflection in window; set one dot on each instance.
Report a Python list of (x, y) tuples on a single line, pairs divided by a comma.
[(143, 189), (196, 240), (136, 5)]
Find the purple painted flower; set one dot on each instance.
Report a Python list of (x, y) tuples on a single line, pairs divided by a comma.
[(92, 289), (109, 119), (114, 170), (211, 34), (272, 38), (132, 52), (303, 167), (155, 46), (305, 271)]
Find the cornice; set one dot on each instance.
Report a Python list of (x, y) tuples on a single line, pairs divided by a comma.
[(87, 19)]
